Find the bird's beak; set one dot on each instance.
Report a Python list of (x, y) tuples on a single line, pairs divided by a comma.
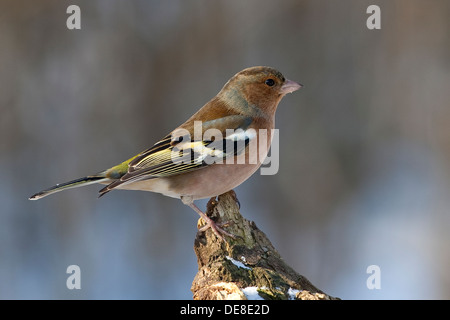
[(290, 86)]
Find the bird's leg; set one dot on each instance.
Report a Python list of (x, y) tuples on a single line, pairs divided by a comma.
[(218, 231)]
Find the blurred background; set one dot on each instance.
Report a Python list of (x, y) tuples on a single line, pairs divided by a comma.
[(364, 173)]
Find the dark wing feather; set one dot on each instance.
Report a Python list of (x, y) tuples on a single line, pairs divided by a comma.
[(180, 154)]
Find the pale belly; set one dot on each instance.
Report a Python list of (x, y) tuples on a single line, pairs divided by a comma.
[(209, 181), (203, 183)]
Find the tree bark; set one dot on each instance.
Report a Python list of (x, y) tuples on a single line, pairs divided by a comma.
[(248, 267)]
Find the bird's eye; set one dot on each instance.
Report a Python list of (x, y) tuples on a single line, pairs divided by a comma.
[(270, 82)]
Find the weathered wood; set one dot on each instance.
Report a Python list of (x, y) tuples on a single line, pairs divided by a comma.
[(236, 268)]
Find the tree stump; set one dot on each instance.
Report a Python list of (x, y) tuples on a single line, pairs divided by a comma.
[(248, 267)]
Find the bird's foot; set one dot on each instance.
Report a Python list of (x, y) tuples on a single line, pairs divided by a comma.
[(217, 228)]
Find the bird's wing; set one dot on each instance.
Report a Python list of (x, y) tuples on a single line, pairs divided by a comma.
[(180, 152)]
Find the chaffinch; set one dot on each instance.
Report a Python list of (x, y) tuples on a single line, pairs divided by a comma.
[(209, 154)]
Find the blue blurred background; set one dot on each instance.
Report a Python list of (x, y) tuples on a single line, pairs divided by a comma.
[(364, 176)]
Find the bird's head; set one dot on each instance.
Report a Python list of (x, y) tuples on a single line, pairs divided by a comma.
[(261, 87)]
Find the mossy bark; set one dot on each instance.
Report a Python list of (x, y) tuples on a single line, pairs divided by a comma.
[(226, 267)]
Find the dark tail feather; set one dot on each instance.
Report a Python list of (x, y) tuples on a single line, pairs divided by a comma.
[(68, 185)]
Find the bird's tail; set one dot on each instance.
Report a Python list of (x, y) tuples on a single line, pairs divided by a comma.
[(71, 184)]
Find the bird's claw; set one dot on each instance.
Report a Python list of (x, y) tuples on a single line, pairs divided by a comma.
[(217, 228)]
